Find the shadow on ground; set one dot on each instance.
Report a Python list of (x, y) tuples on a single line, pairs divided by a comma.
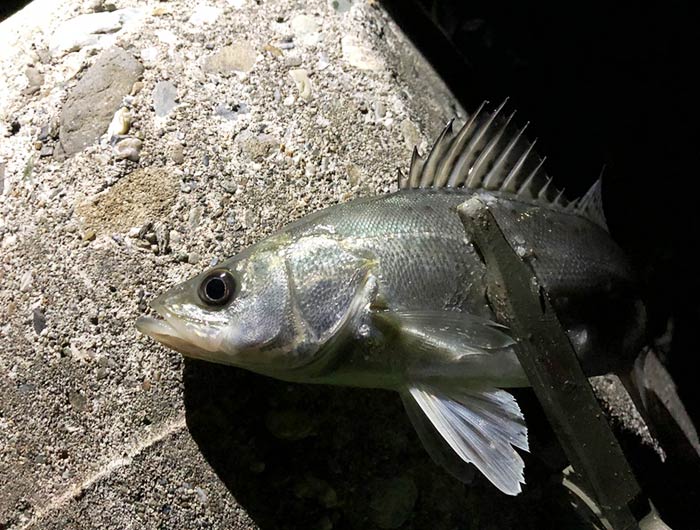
[(316, 457)]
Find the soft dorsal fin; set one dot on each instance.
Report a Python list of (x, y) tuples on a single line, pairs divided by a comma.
[(490, 153)]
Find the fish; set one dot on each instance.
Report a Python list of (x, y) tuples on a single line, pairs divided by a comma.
[(389, 292)]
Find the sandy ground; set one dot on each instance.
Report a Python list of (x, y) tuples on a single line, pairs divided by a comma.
[(226, 120)]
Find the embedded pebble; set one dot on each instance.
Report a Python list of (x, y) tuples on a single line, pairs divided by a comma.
[(77, 400), (177, 153), (204, 14), (25, 284), (231, 112), (91, 105), (411, 134), (93, 29), (164, 95), (359, 55), (303, 83), (239, 57), (341, 6), (305, 29), (120, 123), (38, 320), (129, 148), (34, 77)]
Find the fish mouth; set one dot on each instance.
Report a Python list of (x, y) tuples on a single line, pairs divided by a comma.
[(163, 330), (164, 333)]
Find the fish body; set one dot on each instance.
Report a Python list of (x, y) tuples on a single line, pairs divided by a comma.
[(388, 292)]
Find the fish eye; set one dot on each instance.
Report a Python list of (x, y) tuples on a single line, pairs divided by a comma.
[(217, 288)]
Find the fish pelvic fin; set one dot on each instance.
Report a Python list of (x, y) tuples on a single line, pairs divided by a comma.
[(471, 426), (491, 153)]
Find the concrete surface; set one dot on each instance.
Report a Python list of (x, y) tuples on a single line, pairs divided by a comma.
[(245, 116)]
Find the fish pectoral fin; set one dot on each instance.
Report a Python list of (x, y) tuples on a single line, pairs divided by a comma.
[(449, 334), (481, 427)]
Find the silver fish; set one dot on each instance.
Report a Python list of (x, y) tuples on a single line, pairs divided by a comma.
[(387, 292)]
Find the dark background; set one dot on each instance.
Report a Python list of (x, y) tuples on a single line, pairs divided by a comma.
[(605, 85), (8, 7)]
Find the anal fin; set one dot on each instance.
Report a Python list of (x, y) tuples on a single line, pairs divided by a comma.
[(480, 426)]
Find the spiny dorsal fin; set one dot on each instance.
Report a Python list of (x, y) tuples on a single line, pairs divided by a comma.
[(490, 153), (591, 205)]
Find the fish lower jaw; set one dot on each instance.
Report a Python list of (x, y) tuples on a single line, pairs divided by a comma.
[(166, 334)]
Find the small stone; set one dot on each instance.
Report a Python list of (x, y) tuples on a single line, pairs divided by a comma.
[(258, 147), (231, 112), (392, 501), (195, 217), (177, 153), (274, 50), (201, 495), (38, 145), (129, 148), (411, 134), (303, 83), (91, 105), (239, 57), (160, 11), (38, 320), (359, 55), (289, 424), (92, 29), (89, 235), (292, 61), (193, 258), (305, 29), (46, 151), (136, 88), (26, 388), (25, 284), (166, 37), (121, 122), (162, 238), (34, 77), (340, 6), (77, 400), (204, 14), (164, 95)]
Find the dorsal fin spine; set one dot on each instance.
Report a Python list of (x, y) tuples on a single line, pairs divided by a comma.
[(510, 183), (414, 173), (591, 205), (435, 156), (461, 167), (457, 147), (494, 179), (526, 186), (475, 173), (490, 153)]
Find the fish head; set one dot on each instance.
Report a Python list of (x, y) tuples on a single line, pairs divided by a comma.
[(239, 313)]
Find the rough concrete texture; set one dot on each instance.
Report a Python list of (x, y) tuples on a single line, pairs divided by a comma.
[(246, 115)]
